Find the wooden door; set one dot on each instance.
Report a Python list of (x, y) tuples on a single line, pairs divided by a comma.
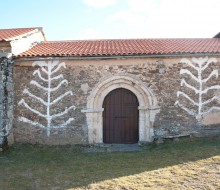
[(120, 117)]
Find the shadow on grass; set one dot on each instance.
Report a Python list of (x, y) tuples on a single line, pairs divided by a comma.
[(49, 167)]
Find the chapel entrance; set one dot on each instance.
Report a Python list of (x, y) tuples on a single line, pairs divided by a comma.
[(120, 117)]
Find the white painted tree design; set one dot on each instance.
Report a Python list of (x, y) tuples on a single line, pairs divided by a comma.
[(200, 65), (49, 69)]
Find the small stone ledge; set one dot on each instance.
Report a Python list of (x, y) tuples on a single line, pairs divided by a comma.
[(160, 140), (176, 136)]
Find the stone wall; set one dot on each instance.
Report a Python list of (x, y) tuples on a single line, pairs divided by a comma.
[(159, 75), (7, 49), (6, 102)]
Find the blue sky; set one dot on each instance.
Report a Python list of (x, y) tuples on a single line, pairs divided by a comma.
[(98, 19)]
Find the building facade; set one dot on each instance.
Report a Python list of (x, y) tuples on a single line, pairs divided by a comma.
[(116, 91)]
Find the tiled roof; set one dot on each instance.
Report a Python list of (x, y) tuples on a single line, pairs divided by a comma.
[(15, 33), (123, 47)]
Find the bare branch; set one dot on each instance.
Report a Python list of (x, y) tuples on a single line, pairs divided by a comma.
[(38, 85), (22, 101), (58, 86), (26, 91), (58, 68), (210, 88), (211, 60), (62, 96), (179, 93), (213, 73), (64, 112), (183, 82), (63, 125), (186, 61), (210, 100), (190, 112), (24, 119), (57, 77), (185, 71), (39, 74), (211, 109)]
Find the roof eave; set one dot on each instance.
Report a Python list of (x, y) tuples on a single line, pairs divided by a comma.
[(33, 58)]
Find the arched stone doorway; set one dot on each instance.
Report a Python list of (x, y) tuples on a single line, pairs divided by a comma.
[(148, 106)]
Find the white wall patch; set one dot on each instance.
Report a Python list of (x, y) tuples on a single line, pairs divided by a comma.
[(85, 88), (49, 69), (199, 65)]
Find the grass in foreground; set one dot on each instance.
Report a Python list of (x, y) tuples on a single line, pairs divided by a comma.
[(188, 164)]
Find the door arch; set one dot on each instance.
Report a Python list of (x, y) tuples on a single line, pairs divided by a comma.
[(148, 106), (120, 117)]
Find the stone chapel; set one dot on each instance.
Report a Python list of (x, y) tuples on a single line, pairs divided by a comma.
[(121, 91)]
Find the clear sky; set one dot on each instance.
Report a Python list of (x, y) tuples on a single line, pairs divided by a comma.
[(99, 19)]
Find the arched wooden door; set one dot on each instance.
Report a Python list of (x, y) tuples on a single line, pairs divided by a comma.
[(120, 117)]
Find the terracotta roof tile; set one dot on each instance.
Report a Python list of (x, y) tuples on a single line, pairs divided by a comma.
[(123, 47), (11, 34)]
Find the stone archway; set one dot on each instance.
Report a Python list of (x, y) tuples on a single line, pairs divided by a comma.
[(148, 106)]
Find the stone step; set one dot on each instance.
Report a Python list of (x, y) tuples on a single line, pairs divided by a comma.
[(113, 148)]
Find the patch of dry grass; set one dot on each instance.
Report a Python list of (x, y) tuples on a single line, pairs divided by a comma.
[(201, 174), (188, 164)]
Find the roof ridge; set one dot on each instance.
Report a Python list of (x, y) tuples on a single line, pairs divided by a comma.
[(134, 39)]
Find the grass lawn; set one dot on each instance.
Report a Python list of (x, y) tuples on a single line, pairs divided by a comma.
[(187, 164)]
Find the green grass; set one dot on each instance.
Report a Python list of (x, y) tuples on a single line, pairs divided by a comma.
[(187, 164)]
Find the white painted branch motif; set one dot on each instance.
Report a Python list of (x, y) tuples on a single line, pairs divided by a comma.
[(200, 64), (183, 82), (22, 102), (49, 69), (189, 111), (24, 119), (179, 93)]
